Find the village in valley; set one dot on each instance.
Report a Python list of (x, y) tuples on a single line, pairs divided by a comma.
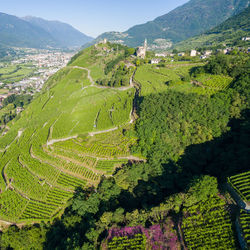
[(28, 73)]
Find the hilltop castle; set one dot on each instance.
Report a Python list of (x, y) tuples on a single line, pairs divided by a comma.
[(141, 51)]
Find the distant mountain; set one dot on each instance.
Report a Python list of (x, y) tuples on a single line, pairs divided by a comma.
[(230, 32), (18, 32), (188, 20), (64, 34)]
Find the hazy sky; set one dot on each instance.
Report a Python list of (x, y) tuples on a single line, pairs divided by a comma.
[(92, 17)]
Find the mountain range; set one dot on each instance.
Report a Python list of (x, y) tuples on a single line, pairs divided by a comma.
[(39, 33), (229, 33), (188, 20)]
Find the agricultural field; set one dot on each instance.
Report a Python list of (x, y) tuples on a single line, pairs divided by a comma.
[(245, 225), (49, 151), (241, 184), (138, 237), (158, 79), (15, 73), (137, 242), (208, 225)]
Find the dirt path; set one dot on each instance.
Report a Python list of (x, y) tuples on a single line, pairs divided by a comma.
[(131, 158), (102, 131), (51, 142), (89, 74), (98, 86)]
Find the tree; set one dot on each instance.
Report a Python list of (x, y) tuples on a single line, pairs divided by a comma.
[(201, 188)]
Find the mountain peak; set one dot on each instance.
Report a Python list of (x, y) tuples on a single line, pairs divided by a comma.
[(190, 19), (37, 32)]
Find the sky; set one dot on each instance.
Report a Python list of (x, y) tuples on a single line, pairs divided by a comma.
[(92, 17)]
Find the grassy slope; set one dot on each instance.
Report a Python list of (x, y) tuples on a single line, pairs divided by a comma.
[(154, 80), (33, 173)]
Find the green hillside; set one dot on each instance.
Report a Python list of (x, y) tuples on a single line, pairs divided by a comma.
[(117, 153), (228, 33), (50, 150), (176, 77)]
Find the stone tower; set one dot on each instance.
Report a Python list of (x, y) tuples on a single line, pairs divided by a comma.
[(145, 44), (141, 51)]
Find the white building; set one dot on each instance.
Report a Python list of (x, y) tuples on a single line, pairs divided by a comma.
[(155, 60), (160, 55), (245, 39), (193, 52), (208, 52)]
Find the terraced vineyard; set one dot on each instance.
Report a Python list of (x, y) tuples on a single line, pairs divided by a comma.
[(245, 225), (208, 225), (155, 80), (48, 152), (241, 184), (137, 242)]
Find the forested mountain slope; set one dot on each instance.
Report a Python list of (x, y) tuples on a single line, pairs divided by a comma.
[(190, 19), (228, 33)]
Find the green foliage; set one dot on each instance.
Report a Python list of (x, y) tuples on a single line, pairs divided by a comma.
[(18, 100), (233, 66), (201, 189), (137, 242), (171, 121), (29, 237), (229, 32), (111, 64), (241, 184), (244, 220), (208, 225)]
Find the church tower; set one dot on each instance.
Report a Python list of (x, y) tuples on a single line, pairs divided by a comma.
[(145, 44)]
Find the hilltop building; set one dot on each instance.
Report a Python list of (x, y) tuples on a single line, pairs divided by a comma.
[(193, 52), (141, 51), (104, 41)]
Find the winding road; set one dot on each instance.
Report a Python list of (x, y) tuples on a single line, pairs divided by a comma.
[(93, 84)]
